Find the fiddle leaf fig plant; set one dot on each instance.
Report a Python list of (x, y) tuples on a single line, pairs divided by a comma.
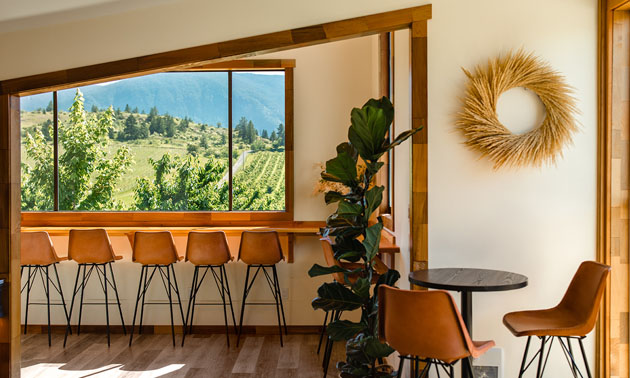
[(357, 238)]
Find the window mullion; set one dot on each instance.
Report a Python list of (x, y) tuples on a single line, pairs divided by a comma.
[(55, 153), (231, 200)]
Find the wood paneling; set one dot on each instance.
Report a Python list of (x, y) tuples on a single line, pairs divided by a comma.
[(419, 154), (10, 235), (217, 52), (244, 65), (288, 140)]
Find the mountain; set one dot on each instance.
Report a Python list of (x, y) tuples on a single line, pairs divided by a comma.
[(201, 96)]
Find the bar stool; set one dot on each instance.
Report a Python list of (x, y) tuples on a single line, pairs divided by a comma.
[(209, 250), (440, 339), (573, 318), (329, 255), (93, 249), (156, 250), (262, 250), (37, 253)]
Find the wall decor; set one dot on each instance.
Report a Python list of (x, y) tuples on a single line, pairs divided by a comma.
[(484, 132)]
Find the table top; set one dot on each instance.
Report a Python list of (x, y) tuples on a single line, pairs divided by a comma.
[(467, 279)]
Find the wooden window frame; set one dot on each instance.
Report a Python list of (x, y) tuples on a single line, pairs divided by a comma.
[(191, 218)]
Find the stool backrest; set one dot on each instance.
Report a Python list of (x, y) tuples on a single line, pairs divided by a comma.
[(90, 246), (422, 323), (260, 248), (584, 295), (154, 248), (207, 248), (37, 249)]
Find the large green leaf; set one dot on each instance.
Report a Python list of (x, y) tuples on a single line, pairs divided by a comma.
[(347, 209), (318, 270), (384, 104), (376, 349), (400, 138), (372, 240), (368, 130), (335, 296), (333, 196), (344, 329), (373, 197), (389, 278), (342, 168), (361, 287)]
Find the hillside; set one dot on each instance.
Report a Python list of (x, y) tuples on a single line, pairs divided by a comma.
[(200, 96)]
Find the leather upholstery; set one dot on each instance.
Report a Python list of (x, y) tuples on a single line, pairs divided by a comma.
[(329, 255), (426, 324), (208, 248), (575, 315), (260, 248), (154, 248), (90, 247), (37, 249)]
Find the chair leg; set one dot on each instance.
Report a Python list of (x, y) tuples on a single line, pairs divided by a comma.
[(240, 323), (400, 366), (81, 302), (179, 299), (28, 295), (588, 369), (222, 291), (522, 369), (471, 370), (227, 289), (170, 301), (189, 320), (321, 334), (74, 294), (284, 320), (63, 301), (48, 304), (540, 357), (144, 291), (106, 303), (276, 297), (122, 320), (135, 311)]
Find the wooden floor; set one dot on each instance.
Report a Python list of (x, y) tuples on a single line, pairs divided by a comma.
[(87, 355)]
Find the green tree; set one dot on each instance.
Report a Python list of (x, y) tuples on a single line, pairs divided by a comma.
[(46, 126), (127, 109), (133, 130), (274, 136), (265, 134), (169, 125), (88, 176), (135, 110), (49, 108), (94, 109), (203, 143), (279, 141), (192, 149)]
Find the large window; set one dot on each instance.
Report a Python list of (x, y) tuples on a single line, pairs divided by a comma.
[(176, 141)]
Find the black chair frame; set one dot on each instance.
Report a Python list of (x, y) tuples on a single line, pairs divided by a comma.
[(101, 274), (448, 369), (223, 286), (143, 286), (274, 285), (567, 350), (43, 270), (334, 316)]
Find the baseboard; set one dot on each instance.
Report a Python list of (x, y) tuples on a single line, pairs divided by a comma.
[(166, 329)]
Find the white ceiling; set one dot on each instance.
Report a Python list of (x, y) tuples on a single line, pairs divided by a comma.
[(27, 14)]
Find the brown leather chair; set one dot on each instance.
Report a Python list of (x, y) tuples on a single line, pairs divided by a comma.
[(92, 249), (261, 250), (573, 318), (329, 255), (37, 253), (157, 253), (209, 251), (439, 339)]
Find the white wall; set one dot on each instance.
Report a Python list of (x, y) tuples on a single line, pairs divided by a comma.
[(538, 222)]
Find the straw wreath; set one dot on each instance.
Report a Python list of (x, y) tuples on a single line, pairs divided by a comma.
[(479, 122)]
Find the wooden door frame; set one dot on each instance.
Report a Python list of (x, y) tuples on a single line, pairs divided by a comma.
[(414, 19)]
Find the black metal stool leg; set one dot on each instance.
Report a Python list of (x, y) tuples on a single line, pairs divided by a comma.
[(222, 291), (170, 302), (227, 289), (400, 366), (63, 301), (321, 334), (106, 303), (240, 323), (28, 295), (48, 304), (74, 294), (179, 299), (540, 357), (81, 303), (144, 291), (189, 320), (122, 320), (135, 311), (276, 297), (588, 369), (284, 320), (522, 369)]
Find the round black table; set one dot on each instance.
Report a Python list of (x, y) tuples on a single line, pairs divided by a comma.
[(467, 281)]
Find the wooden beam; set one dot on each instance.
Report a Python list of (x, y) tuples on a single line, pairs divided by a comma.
[(245, 65), (217, 52), (419, 154), (10, 235)]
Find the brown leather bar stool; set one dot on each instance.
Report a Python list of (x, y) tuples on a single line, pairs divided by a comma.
[(261, 250), (439, 340), (93, 249), (38, 254), (209, 251), (573, 318), (329, 255), (156, 250)]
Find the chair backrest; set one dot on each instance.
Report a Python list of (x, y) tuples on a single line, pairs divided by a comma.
[(329, 255), (207, 248), (583, 297), (154, 248), (422, 323), (260, 248), (37, 249), (90, 246)]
